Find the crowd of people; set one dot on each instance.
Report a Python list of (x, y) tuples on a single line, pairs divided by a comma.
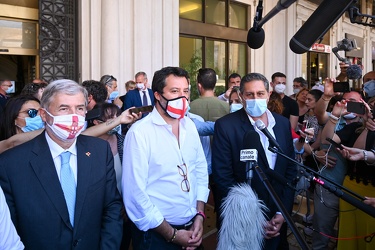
[(80, 167)]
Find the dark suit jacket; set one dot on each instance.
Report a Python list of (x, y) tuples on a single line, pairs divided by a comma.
[(134, 99), (37, 204), (228, 170)]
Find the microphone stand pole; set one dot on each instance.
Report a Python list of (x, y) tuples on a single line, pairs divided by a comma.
[(281, 207), (335, 188)]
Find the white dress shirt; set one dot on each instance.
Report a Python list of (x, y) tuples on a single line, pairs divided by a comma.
[(271, 157), (145, 92), (9, 238), (56, 150), (151, 181)]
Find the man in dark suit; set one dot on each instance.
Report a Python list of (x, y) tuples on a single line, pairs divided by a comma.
[(228, 170), (141, 96), (57, 202)]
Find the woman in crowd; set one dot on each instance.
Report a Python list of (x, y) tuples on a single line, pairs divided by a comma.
[(301, 101), (106, 112), (21, 114), (360, 179)]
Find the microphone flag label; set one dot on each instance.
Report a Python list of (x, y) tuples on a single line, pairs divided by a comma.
[(248, 155)]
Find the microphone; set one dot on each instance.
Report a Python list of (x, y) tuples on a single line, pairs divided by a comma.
[(255, 35), (249, 154), (354, 72), (321, 20), (273, 143)]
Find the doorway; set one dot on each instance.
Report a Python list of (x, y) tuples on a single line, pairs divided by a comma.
[(18, 68)]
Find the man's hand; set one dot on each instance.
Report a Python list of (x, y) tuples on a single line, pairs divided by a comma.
[(273, 226), (196, 237)]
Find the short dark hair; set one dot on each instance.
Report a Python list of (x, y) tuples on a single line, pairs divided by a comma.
[(33, 88), (277, 74), (106, 112), (96, 89), (254, 76), (233, 75), (316, 93), (301, 80), (207, 78), (158, 81)]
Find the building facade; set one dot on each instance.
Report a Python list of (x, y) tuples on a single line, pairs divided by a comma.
[(85, 39)]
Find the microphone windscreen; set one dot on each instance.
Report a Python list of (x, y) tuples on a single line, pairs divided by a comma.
[(243, 219), (255, 39), (321, 20), (251, 140), (354, 72)]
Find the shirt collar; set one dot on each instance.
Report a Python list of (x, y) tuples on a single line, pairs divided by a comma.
[(56, 150)]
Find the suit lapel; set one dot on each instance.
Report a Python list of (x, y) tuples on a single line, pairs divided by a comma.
[(44, 169), (84, 165)]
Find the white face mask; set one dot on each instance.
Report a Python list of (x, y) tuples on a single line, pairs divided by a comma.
[(279, 88), (140, 85), (67, 127), (296, 91)]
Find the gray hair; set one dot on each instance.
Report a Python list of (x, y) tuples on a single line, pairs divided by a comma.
[(63, 86), (254, 77), (141, 73)]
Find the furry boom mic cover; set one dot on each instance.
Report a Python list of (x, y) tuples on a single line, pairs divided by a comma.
[(243, 220)]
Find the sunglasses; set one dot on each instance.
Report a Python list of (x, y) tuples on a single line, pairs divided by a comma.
[(109, 79), (31, 112)]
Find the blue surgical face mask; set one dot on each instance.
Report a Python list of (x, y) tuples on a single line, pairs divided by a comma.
[(369, 88), (235, 106), (256, 107), (115, 130), (350, 116), (113, 95), (32, 124)]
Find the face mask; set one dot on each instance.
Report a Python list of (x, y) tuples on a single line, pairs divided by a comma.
[(177, 107), (187, 110), (369, 88), (296, 91), (67, 127), (279, 88), (113, 95), (140, 85), (350, 116), (115, 130), (256, 107), (33, 124), (235, 106)]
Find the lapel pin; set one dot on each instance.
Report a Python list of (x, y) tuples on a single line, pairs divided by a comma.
[(88, 154)]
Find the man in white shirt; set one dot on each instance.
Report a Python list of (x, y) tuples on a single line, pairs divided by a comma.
[(165, 181), (9, 238)]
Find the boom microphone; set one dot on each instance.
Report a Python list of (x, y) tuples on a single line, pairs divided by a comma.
[(354, 72), (255, 35), (273, 143), (321, 20)]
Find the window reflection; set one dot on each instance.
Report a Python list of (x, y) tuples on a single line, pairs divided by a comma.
[(237, 58), (215, 59), (15, 34), (237, 16), (215, 12)]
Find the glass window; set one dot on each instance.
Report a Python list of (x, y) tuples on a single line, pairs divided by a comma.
[(237, 58), (191, 60), (15, 34), (215, 59), (237, 16), (215, 12), (191, 9)]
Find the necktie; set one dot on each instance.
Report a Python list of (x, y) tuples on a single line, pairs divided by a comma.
[(68, 184), (144, 99)]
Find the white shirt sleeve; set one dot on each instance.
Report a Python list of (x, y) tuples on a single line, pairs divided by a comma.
[(9, 238)]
